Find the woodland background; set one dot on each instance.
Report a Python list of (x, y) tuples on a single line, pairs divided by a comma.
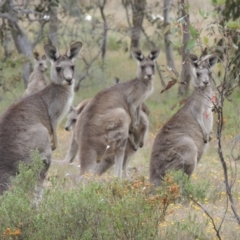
[(205, 207)]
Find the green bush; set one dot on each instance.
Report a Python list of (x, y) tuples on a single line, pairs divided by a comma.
[(113, 210), (189, 189)]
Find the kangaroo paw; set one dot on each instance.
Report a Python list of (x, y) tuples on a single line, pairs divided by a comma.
[(205, 140)]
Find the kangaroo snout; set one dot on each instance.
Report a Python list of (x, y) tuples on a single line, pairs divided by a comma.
[(205, 82), (149, 76), (69, 81)]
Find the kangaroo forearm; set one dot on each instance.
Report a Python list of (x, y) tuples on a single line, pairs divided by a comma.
[(132, 142)]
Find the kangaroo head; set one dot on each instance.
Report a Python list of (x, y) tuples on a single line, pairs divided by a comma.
[(40, 62), (62, 71), (203, 69), (71, 118), (146, 69)]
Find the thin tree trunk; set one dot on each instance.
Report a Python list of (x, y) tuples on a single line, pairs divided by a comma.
[(20, 39), (24, 46), (7, 43), (53, 23), (138, 7), (167, 35), (186, 68), (6, 39), (105, 29)]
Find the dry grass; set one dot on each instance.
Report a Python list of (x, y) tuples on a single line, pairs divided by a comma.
[(180, 215)]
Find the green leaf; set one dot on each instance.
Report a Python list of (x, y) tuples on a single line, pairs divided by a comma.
[(221, 2), (232, 24), (176, 44), (218, 2), (203, 13), (190, 44), (205, 39), (166, 29), (193, 32), (187, 6)]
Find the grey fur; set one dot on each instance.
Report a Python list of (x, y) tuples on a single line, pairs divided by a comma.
[(104, 124), (70, 126), (31, 123), (135, 140), (182, 141), (37, 79)]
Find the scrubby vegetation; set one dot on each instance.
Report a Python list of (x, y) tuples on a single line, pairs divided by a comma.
[(109, 208)]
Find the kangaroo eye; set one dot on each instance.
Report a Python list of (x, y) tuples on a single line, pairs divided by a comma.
[(72, 67), (198, 74), (58, 69), (74, 120), (40, 64), (142, 67)]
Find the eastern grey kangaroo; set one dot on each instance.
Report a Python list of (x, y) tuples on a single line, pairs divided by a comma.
[(182, 141), (103, 127), (37, 79), (31, 123), (70, 126), (135, 139)]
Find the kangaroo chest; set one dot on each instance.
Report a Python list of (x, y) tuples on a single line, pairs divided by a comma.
[(66, 105), (207, 112)]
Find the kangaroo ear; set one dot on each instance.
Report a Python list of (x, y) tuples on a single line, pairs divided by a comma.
[(137, 54), (79, 110), (193, 59), (212, 60), (74, 50), (51, 52), (44, 57), (36, 55), (153, 55), (71, 109)]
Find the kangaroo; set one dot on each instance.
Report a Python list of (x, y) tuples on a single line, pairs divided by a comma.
[(182, 141), (134, 142), (37, 79), (70, 126), (103, 126), (31, 123)]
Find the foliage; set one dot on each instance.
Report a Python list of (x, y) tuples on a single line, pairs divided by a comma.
[(112, 210), (189, 189), (10, 76), (130, 209)]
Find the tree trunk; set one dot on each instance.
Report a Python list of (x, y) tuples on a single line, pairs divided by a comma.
[(167, 35), (138, 7), (53, 23), (186, 68), (7, 43), (24, 46), (105, 29), (9, 12), (6, 39)]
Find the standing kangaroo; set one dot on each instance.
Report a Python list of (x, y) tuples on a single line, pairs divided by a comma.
[(103, 127), (135, 140), (31, 123), (70, 125), (37, 79), (182, 141)]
